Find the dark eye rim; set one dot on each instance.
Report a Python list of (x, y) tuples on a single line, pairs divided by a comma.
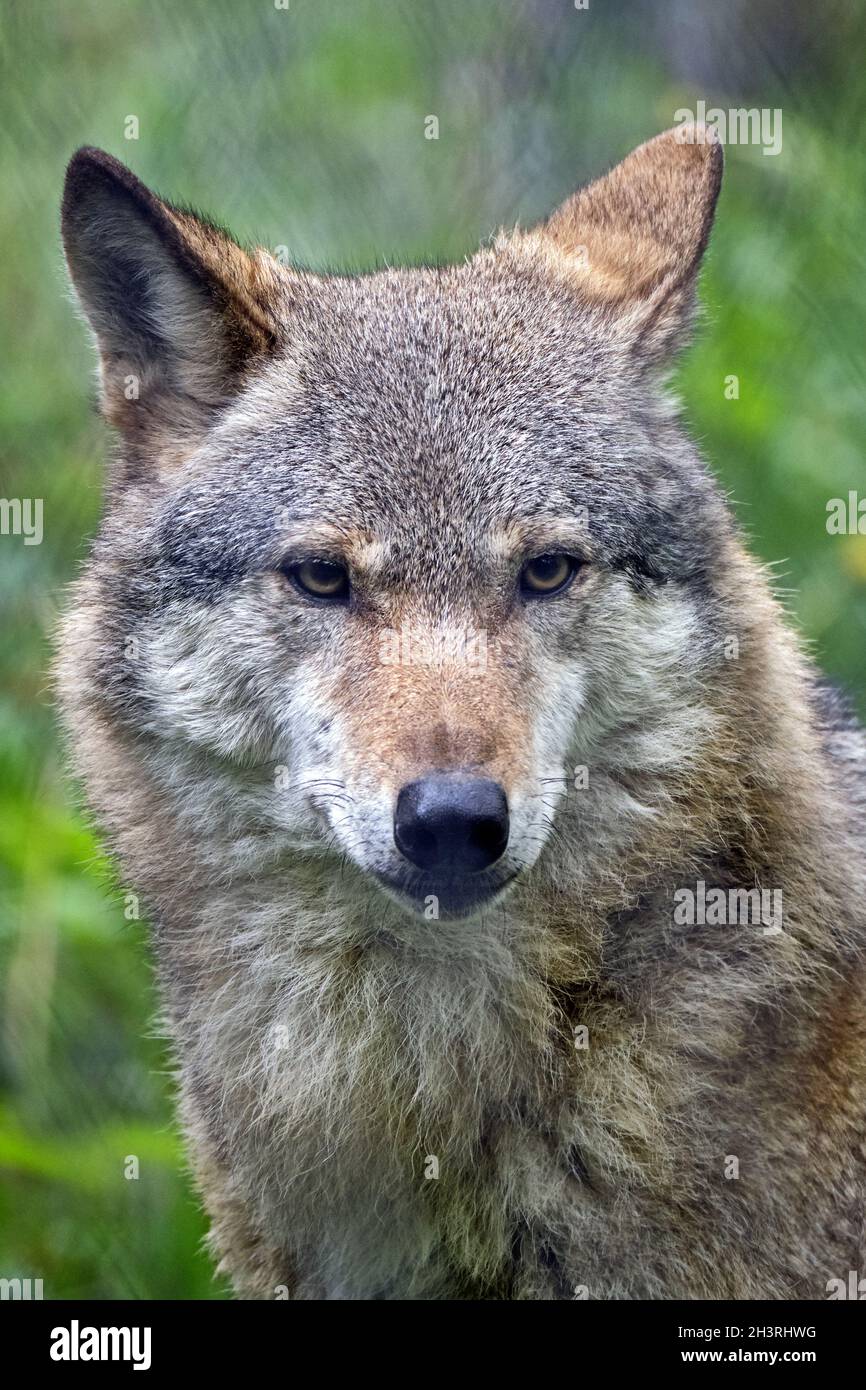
[(575, 564), (291, 570)]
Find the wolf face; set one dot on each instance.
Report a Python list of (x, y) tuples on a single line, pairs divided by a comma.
[(389, 561)]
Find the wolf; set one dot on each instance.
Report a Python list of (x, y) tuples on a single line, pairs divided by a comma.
[(438, 1032)]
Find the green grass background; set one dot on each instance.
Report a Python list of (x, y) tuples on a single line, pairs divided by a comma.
[(304, 128)]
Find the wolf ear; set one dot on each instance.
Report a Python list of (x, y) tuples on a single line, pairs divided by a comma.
[(631, 242), (179, 310)]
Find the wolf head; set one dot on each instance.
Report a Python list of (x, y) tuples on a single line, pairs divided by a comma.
[(393, 565)]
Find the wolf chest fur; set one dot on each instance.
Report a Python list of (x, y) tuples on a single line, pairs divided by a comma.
[(438, 1032)]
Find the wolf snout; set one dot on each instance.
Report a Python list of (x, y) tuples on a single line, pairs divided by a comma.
[(451, 822)]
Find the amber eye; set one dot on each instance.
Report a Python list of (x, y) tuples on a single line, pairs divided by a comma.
[(547, 574), (321, 579)]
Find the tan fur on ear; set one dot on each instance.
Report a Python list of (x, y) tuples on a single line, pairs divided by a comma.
[(631, 241), (242, 283)]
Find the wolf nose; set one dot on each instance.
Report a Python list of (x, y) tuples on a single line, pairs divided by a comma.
[(450, 822)]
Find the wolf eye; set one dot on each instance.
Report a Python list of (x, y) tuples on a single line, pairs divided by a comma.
[(322, 579), (548, 574)]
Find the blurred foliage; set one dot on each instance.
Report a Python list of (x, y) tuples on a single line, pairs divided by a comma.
[(304, 127)]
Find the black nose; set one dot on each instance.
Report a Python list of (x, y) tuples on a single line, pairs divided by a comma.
[(451, 822)]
